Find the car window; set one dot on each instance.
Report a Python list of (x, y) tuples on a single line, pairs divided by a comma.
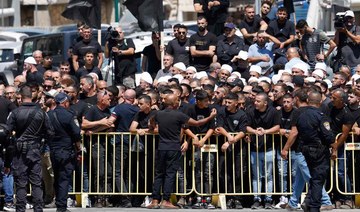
[(6, 55), (28, 48)]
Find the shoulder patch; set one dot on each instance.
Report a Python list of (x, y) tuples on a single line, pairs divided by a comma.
[(327, 125)]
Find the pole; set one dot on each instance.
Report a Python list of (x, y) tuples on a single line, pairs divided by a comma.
[(2, 13), (36, 14), (116, 6)]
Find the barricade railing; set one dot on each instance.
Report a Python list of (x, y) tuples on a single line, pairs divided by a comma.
[(346, 174), (124, 164)]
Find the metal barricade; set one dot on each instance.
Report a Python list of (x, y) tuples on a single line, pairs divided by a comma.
[(124, 164), (346, 173)]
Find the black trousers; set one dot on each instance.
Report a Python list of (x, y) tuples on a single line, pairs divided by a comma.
[(167, 164), (318, 160), (63, 162), (27, 167)]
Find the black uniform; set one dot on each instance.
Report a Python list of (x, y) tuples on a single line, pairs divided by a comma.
[(315, 132), (67, 131), (31, 125)]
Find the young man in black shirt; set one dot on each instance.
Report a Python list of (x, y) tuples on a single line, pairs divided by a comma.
[(143, 144), (284, 30), (88, 67), (231, 120), (202, 46), (207, 160), (263, 120), (179, 47), (251, 25), (169, 151)]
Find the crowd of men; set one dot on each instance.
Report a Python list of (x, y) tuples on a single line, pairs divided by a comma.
[(275, 79)]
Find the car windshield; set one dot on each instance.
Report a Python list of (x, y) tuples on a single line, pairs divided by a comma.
[(6, 55)]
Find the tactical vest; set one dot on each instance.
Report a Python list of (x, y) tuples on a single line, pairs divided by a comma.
[(312, 47)]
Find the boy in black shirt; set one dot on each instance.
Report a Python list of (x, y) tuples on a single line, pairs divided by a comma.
[(232, 120), (204, 162)]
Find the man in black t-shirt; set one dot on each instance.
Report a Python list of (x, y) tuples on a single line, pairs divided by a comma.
[(263, 120), (202, 46), (85, 45), (143, 142), (151, 61), (232, 120), (97, 120), (179, 47), (169, 150), (284, 30), (215, 12), (341, 122), (203, 159), (251, 25), (88, 67)]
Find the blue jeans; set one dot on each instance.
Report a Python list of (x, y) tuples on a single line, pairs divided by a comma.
[(283, 171), (261, 167), (303, 176), (8, 187)]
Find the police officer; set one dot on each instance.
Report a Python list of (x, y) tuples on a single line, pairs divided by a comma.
[(314, 130), (31, 125), (67, 134)]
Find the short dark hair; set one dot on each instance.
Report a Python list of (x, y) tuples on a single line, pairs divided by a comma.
[(182, 26), (282, 9), (232, 96), (266, 2), (201, 95), (25, 92), (301, 24), (146, 98), (113, 89)]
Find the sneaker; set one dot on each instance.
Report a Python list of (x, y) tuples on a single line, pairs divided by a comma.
[(30, 206), (208, 203), (182, 202), (210, 206), (88, 202), (98, 204), (282, 203), (230, 204), (107, 204), (198, 204), (51, 204), (289, 208), (348, 204), (256, 205), (238, 205), (9, 206), (268, 205), (147, 201), (327, 208), (70, 203)]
